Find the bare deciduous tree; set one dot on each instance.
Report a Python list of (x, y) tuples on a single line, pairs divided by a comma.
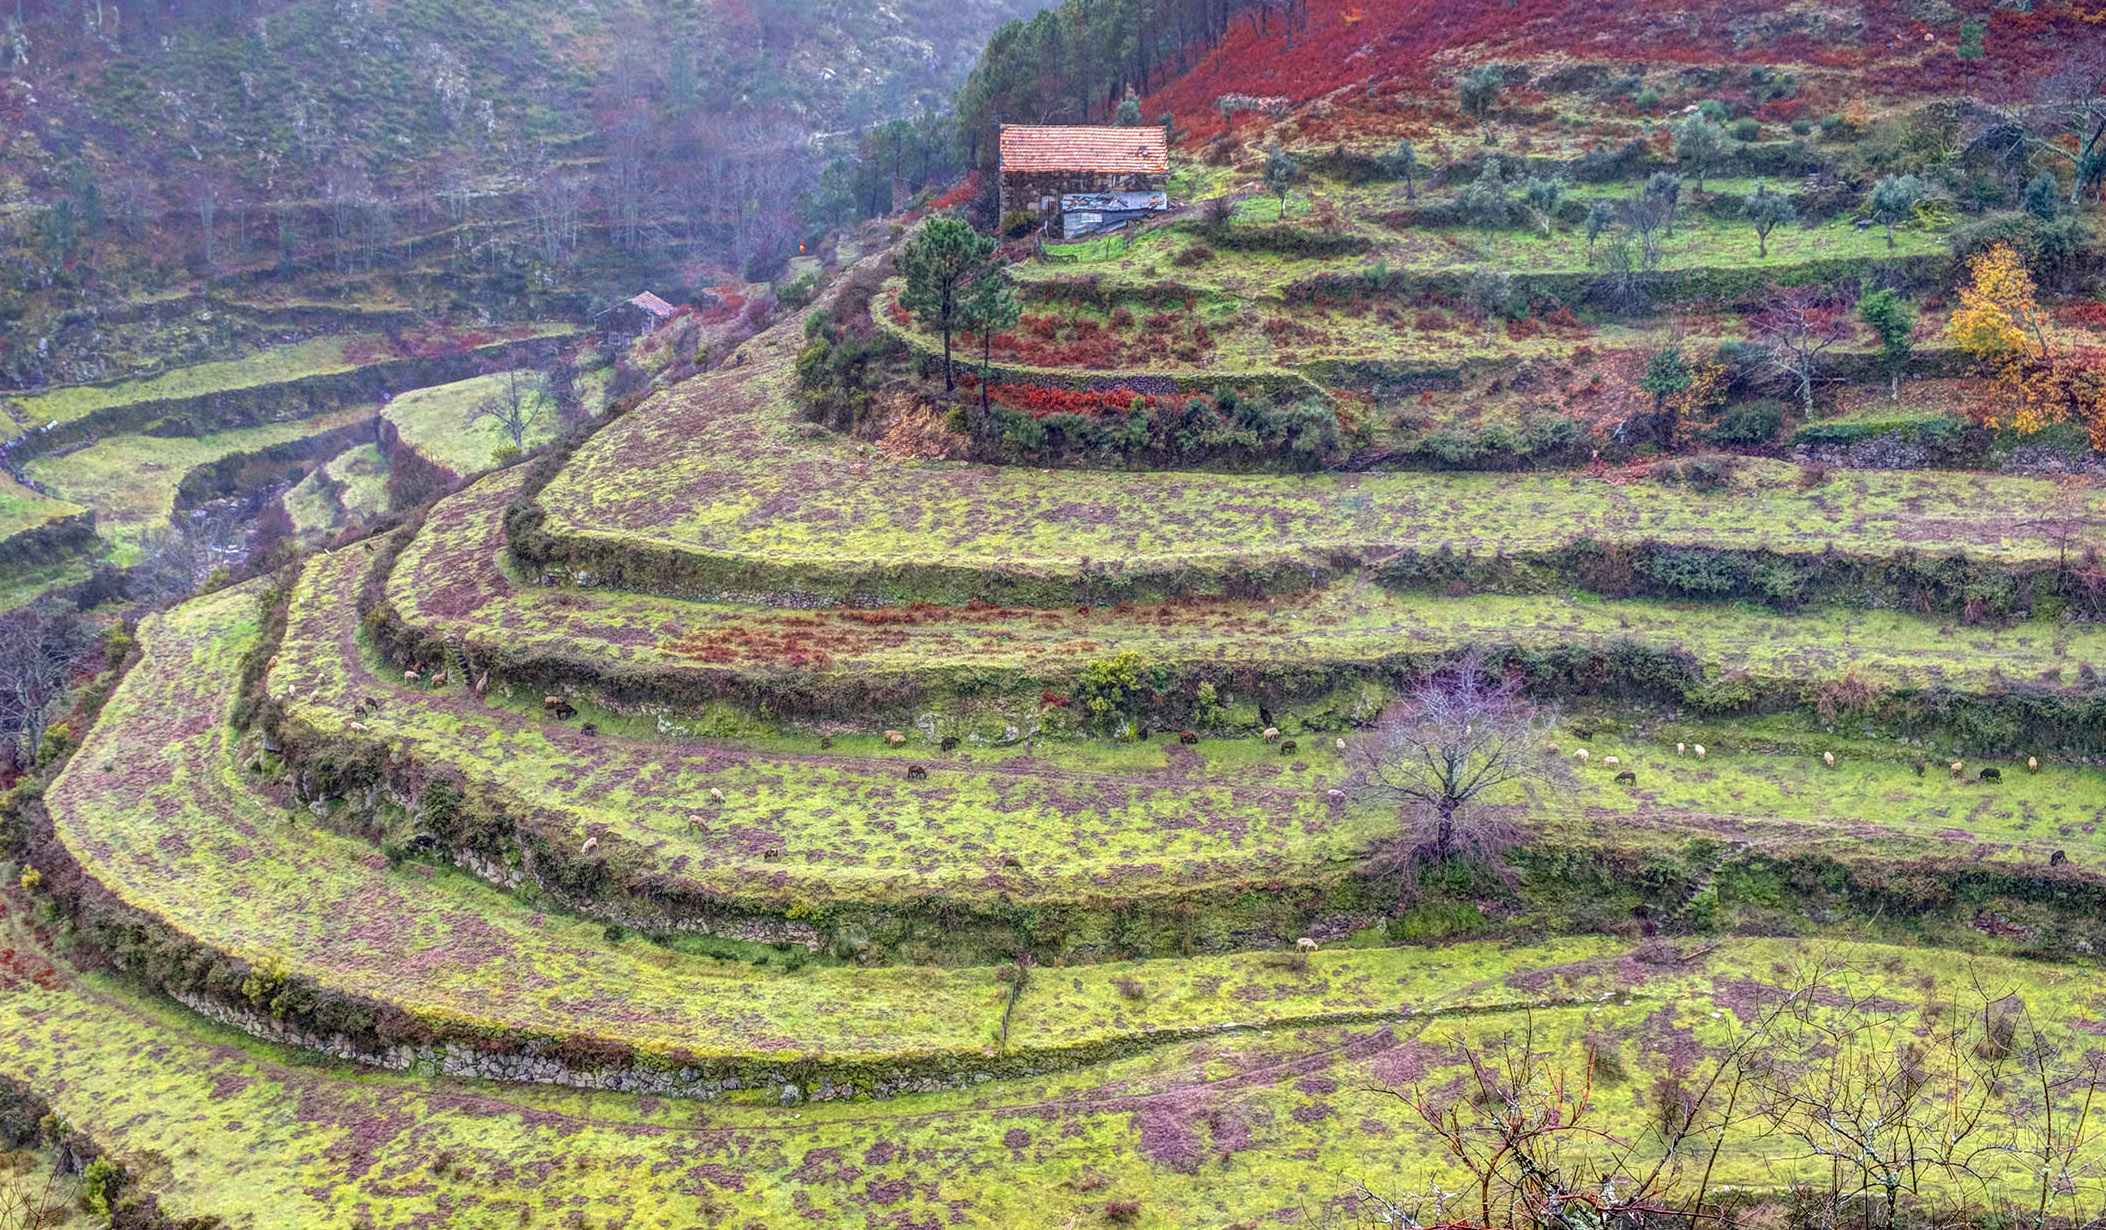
[(1797, 327), (36, 655), (1457, 736), (518, 403)]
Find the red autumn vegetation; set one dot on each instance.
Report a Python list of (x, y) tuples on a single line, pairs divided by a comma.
[(1408, 49)]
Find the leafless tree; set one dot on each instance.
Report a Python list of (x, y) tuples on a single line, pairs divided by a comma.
[(520, 400), (2067, 120), (1458, 735), (36, 655), (1796, 327)]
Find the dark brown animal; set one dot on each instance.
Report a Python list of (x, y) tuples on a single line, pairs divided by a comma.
[(916, 773), (2057, 859), (949, 744), (1627, 778), (1992, 774)]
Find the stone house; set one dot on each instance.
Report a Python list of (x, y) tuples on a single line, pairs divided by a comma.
[(1041, 165)]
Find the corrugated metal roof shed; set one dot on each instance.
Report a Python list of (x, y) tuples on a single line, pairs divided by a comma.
[(1120, 151)]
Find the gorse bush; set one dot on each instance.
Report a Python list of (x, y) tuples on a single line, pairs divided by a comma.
[(1043, 426)]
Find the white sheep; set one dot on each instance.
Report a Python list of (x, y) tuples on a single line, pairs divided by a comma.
[(1958, 765), (2032, 764), (1828, 758), (1272, 734), (895, 738), (716, 794), (697, 822), (1305, 944), (591, 844), (1580, 755), (358, 728), (1341, 745), (1611, 761), (411, 676), (1681, 749), (1552, 748), (1699, 751)]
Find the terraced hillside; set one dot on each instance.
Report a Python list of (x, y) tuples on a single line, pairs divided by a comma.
[(831, 787)]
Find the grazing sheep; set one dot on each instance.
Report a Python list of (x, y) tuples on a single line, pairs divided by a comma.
[(1305, 944), (1992, 774), (716, 794), (1610, 761), (895, 738), (1188, 738), (411, 676), (550, 702), (1681, 749), (591, 844), (1341, 745), (1272, 734), (1580, 755), (1552, 748), (1336, 795), (439, 680), (1957, 767), (358, 728), (1627, 778), (916, 772), (1289, 748), (697, 822), (1699, 751), (949, 744), (2057, 859), (564, 712), (2032, 764), (1828, 758), (589, 729)]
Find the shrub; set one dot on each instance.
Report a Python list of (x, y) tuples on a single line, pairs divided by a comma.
[(1018, 223), (1747, 130), (1754, 422)]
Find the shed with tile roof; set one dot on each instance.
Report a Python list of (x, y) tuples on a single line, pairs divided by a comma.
[(1042, 164)]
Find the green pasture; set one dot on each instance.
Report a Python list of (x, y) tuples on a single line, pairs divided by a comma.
[(437, 422), (130, 481), (721, 469), (454, 582)]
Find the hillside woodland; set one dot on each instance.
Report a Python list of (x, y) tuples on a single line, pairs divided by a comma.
[(1526, 656)]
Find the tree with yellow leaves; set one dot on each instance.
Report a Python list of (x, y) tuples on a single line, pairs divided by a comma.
[(1999, 316), (1999, 322)]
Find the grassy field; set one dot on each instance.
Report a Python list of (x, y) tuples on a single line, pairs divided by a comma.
[(130, 481), (323, 356), (357, 494), (721, 470), (436, 423), (22, 508), (1070, 820), (445, 947), (454, 582), (1237, 1126)]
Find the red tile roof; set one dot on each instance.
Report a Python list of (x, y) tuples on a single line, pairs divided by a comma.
[(1117, 151), (653, 304)]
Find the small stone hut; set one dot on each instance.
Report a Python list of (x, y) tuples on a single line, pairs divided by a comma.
[(639, 317), (1040, 165)]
